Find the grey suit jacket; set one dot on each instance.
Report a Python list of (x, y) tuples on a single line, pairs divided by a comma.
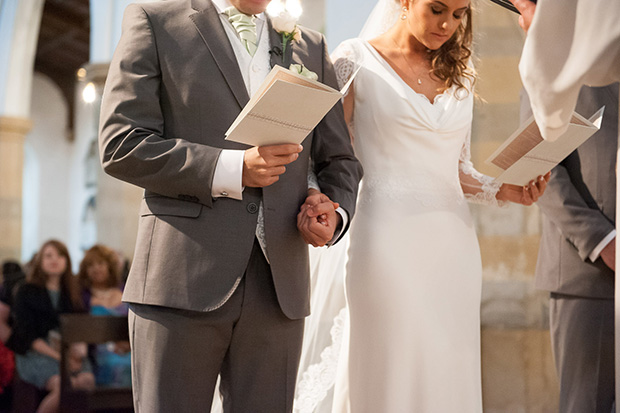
[(579, 206), (173, 89)]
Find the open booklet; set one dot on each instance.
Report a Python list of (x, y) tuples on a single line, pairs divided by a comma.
[(284, 109), (525, 155)]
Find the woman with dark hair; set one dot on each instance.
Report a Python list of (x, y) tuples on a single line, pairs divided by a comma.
[(51, 290), (99, 279)]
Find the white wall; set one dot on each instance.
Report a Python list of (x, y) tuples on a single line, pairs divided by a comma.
[(344, 19), (106, 17), (313, 15), (85, 131), (46, 169), (337, 19)]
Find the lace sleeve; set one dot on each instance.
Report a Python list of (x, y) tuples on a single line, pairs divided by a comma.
[(477, 187), (346, 61)]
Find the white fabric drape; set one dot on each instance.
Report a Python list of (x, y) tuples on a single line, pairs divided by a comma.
[(569, 44)]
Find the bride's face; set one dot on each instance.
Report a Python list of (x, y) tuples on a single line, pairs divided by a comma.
[(433, 22)]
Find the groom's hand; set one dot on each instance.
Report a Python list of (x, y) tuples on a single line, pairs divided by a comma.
[(318, 220), (263, 165), (608, 255)]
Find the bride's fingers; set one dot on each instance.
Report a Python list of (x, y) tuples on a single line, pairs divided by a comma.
[(542, 185), (310, 238), (526, 196), (322, 208), (539, 187), (313, 231), (534, 192)]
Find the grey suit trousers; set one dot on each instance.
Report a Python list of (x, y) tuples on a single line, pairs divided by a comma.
[(248, 340), (582, 335)]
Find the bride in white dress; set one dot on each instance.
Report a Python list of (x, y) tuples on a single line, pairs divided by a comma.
[(413, 277)]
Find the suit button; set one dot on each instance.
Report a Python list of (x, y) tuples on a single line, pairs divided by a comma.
[(252, 208)]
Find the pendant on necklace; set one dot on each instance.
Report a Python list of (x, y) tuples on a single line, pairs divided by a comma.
[(419, 81)]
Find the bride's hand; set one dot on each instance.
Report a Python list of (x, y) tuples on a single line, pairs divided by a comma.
[(524, 195), (317, 219)]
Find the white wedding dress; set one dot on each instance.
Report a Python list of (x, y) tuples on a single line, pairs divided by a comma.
[(413, 276)]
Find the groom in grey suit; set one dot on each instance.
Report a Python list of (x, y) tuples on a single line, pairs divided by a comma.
[(576, 261), (220, 279)]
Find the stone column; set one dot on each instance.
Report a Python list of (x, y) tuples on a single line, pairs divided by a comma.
[(12, 133), (19, 29)]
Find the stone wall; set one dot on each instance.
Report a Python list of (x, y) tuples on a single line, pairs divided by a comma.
[(518, 370)]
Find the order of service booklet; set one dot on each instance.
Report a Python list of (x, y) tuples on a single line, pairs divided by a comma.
[(285, 109), (525, 154)]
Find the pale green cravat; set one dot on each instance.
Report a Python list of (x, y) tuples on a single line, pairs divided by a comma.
[(246, 27)]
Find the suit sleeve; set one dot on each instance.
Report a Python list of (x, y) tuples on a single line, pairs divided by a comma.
[(554, 64), (337, 169), (582, 223), (133, 145)]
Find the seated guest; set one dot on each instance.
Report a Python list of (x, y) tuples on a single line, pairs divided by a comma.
[(99, 278), (12, 277), (50, 291)]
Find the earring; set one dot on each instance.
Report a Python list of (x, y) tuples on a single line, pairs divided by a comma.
[(404, 15)]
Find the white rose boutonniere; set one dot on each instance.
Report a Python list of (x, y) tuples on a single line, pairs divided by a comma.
[(285, 23), (303, 70)]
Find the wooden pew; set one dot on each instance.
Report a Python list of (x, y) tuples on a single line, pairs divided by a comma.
[(92, 330)]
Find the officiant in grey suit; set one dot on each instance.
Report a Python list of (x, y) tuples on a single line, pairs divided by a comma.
[(576, 261), (220, 279)]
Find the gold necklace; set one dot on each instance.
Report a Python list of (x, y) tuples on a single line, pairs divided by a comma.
[(419, 81)]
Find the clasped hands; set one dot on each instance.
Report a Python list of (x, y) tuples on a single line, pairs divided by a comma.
[(317, 219)]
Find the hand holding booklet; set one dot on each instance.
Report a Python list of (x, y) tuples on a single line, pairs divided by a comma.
[(525, 155), (285, 109)]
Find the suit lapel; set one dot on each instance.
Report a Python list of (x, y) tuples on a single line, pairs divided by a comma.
[(275, 47), (210, 27)]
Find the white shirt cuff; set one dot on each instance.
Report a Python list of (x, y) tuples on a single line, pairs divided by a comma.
[(601, 245), (228, 175), (345, 221)]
